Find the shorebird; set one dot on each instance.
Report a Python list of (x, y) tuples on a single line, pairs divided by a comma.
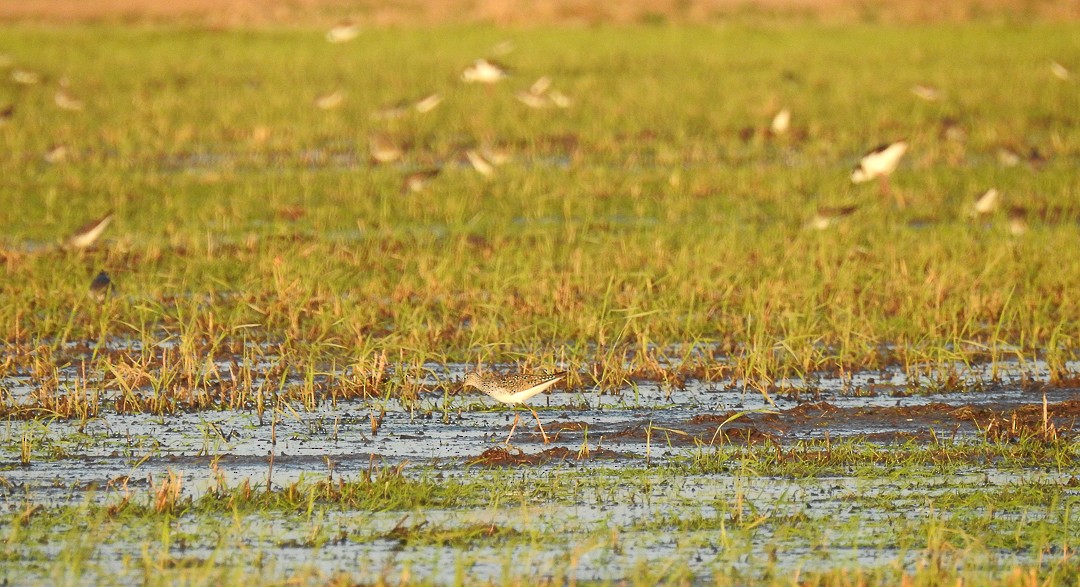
[(415, 181), (532, 100), (65, 101), (928, 93), (100, 287), (826, 217), (514, 389), (481, 165), (781, 122), (391, 112), (384, 150), (502, 47), (428, 103), (1035, 158), (1018, 224), (952, 130), (540, 86), (538, 96), (400, 109), (343, 32), (1007, 157), (559, 99), (88, 233), (57, 153), (25, 77), (986, 203), (879, 163), (330, 101), (1059, 70), (485, 72), (495, 155)]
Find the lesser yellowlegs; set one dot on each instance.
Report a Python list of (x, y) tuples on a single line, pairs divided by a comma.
[(514, 389)]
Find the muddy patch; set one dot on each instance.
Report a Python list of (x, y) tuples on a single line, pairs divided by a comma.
[(502, 456)]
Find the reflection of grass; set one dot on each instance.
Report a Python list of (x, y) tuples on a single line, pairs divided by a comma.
[(938, 521), (632, 221)]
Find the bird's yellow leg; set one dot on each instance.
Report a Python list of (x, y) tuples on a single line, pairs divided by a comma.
[(540, 426), (517, 417)]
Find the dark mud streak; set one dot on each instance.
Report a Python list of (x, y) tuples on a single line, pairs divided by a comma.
[(503, 456), (922, 423)]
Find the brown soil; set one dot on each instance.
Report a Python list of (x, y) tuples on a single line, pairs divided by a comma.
[(879, 424), (502, 456), (246, 13)]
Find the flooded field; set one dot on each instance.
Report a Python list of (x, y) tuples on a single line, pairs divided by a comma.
[(702, 483), (246, 273)]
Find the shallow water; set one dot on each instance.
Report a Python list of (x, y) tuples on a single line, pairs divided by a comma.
[(645, 427), (449, 431), (607, 540)]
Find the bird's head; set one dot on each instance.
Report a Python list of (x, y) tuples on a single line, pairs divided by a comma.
[(472, 379)]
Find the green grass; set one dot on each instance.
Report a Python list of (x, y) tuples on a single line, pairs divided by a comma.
[(664, 227)]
